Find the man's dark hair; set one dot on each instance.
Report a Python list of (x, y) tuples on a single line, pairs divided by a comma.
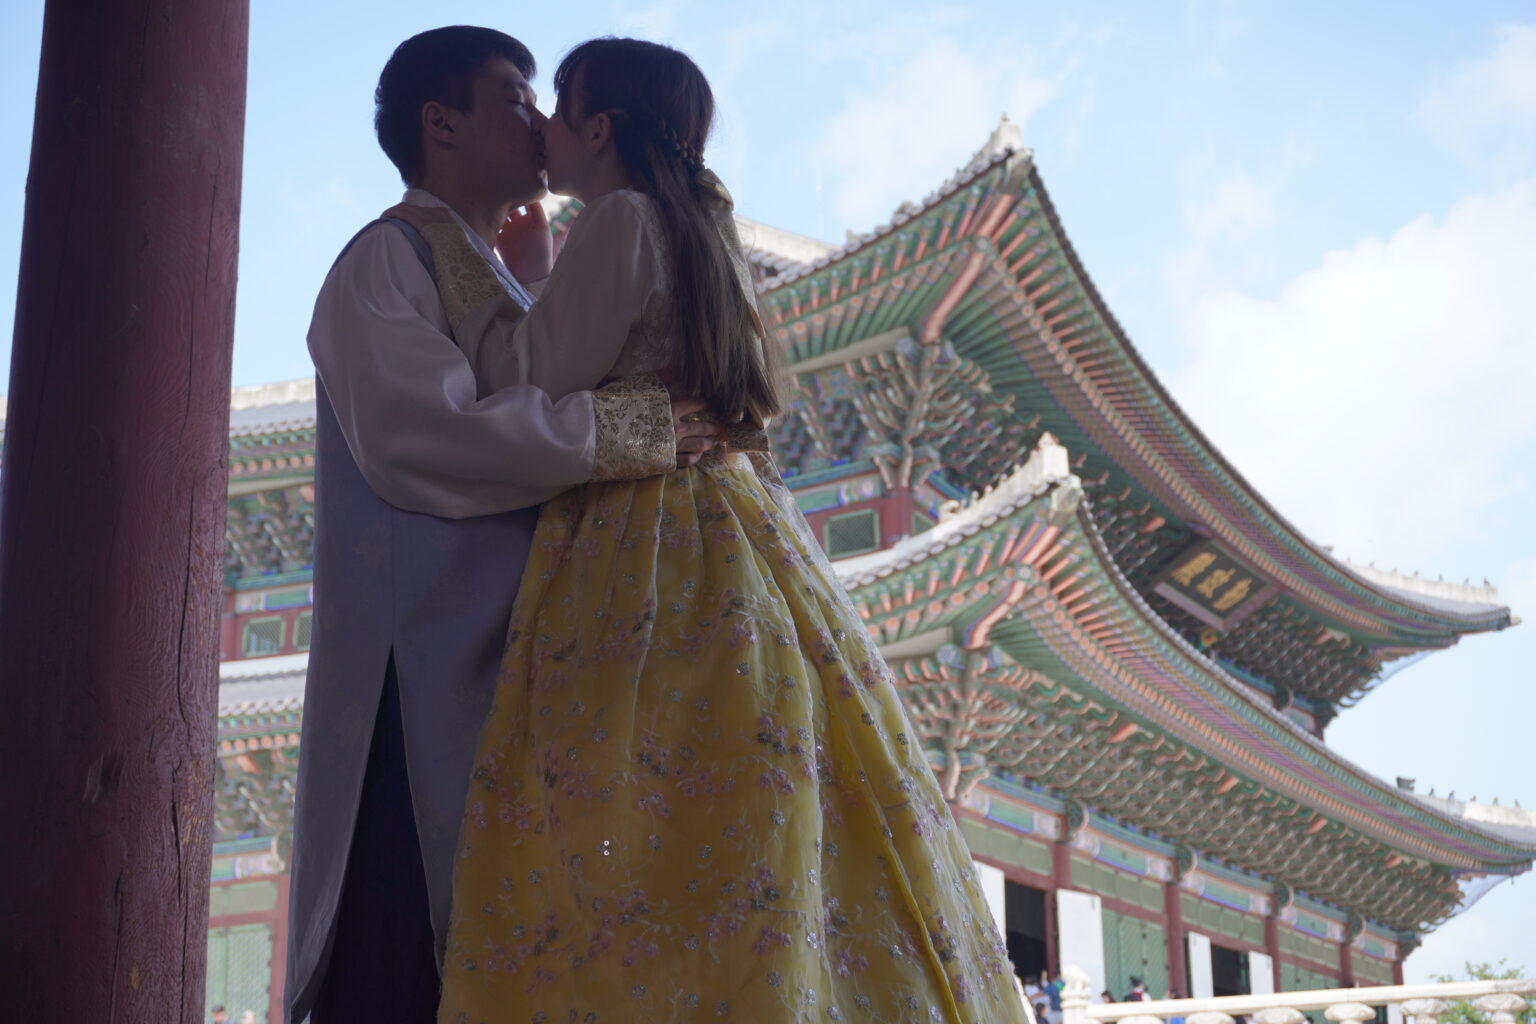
[(440, 66)]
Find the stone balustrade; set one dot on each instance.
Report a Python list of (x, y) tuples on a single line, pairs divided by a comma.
[(1499, 1001)]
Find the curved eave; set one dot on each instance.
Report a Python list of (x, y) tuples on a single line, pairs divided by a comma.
[(1280, 754), (1098, 626), (1139, 429), (1263, 520)]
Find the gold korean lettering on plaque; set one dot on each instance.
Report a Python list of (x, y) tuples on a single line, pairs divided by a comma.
[(1187, 573), (1214, 582), (1233, 594)]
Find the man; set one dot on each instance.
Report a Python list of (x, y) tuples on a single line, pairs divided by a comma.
[(427, 494), (219, 1015)]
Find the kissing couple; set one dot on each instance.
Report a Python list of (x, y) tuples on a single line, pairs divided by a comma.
[(592, 733)]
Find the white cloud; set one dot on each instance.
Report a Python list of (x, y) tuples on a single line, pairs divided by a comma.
[(1383, 399), (657, 21), (928, 96), (1209, 29), (1517, 588), (1485, 112), (1238, 206), (1232, 208)]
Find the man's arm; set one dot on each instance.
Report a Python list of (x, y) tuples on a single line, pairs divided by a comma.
[(405, 398)]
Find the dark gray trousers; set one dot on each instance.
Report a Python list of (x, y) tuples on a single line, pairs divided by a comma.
[(382, 965)]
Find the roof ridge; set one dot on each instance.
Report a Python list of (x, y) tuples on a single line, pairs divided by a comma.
[(1446, 590), (1048, 464), (282, 392), (998, 149)]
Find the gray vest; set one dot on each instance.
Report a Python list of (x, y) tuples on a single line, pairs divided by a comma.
[(438, 594)]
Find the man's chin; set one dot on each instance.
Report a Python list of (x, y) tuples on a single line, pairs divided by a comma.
[(531, 193)]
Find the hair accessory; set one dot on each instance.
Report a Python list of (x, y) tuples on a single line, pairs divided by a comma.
[(686, 150)]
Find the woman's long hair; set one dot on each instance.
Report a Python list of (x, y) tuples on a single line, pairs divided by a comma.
[(661, 109)]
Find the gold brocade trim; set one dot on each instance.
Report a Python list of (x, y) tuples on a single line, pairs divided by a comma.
[(465, 282), (633, 416)]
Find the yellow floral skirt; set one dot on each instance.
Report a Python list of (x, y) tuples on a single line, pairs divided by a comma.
[(697, 796)]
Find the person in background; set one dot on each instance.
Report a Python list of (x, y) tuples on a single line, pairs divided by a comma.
[(1174, 993), (219, 1015), (1053, 1000), (1138, 993)]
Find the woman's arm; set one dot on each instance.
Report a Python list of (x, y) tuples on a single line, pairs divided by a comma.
[(599, 288)]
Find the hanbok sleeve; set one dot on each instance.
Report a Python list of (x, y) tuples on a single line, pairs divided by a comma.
[(405, 397), (572, 337)]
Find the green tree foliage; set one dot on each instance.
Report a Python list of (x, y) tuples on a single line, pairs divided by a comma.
[(1463, 1012)]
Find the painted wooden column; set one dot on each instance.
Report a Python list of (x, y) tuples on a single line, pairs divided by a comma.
[(112, 522), (1272, 939), (1173, 935), (1061, 878), (279, 950), (1061, 865), (1346, 962)]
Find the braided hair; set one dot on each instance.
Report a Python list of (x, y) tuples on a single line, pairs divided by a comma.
[(661, 109)]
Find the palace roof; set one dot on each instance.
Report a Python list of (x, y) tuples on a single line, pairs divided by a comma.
[(983, 268), (1089, 692)]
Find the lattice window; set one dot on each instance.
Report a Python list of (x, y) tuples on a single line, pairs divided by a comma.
[(261, 637), (1134, 948), (240, 970), (303, 626), (851, 534), (293, 597)]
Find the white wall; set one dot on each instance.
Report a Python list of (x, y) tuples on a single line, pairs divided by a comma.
[(995, 888), (1080, 934), (1261, 974), (1202, 982)]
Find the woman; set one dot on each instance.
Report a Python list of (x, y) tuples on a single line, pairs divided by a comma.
[(697, 796)]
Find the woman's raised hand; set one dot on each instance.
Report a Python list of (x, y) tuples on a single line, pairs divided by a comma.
[(525, 244)]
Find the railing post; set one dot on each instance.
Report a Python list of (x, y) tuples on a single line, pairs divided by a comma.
[(1500, 1007), (1075, 995), (1424, 1011), (1209, 1017), (1350, 1013), (1279, 1015)]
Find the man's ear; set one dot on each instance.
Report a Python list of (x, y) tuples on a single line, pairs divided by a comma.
[(437, 123)]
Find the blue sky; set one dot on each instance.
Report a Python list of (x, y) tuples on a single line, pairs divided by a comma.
[(1317, 222)]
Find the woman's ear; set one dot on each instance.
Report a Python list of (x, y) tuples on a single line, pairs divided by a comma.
[(599, 132)]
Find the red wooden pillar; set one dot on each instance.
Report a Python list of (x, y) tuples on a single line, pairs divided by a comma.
[(1272, 945), (279, 965), (112, 524), (1346, 963), (1178, 966)]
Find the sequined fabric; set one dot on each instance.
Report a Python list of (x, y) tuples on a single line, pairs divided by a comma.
[(465, 283), (697, 796), (464, 280), (633, 417)]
